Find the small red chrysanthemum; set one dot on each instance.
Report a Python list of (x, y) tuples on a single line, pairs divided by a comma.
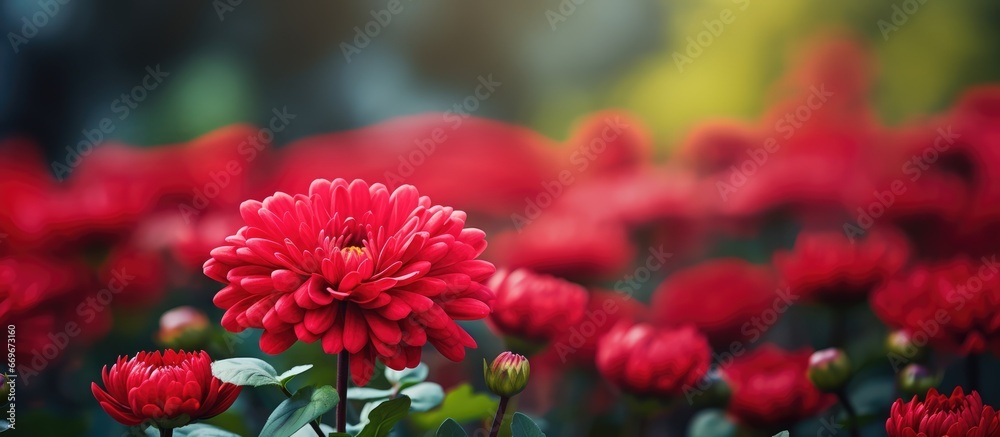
[(771, 388), (375, 272), (646, 360), (535, 307), (170, 389), (829, 267), (959, 415), (952, 303)]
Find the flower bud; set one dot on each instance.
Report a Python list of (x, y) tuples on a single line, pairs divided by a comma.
[(712, 391), (829, 369), (508, 375), (183, 327), (902, 348), (915, 379)]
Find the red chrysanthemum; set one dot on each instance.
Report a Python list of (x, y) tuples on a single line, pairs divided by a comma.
[(770, 388), (721, 298), (374, 272), (535, 307), (958, 415), (170, 389), (829, 267), (952, 303), (646, 360)]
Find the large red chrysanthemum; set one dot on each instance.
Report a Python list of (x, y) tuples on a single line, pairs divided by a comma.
[(829, 267), (170, 389), (645, 360), (379, 274), (958, 415), (771, 389), (953, 304)]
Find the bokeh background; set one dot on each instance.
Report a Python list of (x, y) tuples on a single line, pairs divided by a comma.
[(557, 66)]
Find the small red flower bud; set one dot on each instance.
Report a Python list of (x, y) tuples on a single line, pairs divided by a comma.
[(508, 375)]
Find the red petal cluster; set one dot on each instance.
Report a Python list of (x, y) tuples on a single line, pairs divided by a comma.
[(958, 415), (829, 267), (719, 297), (770, 388), (535, 307), (953, 303), (171, 389), (374, 272), (646, 360)]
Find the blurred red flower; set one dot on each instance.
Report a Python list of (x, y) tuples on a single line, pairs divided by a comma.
[(829, 267), (728, 299), (170, 389), (958, 415), (534, 307), (605, 309), (770, 388), (646, 360), (376, 273), (952, 303)]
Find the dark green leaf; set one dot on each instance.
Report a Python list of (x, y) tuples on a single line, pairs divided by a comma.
[(245, 372), (523, 426), (450, 428), (297, 411), (384, 417), (711, 423)]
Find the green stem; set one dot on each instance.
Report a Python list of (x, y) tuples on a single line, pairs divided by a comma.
[(166, 432), (851, 412), (498, 419), (342, 375)]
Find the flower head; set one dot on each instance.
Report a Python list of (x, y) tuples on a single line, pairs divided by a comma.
[(171, 389), (958, 415), (535, 307), (958, 297), (830, 267), (646, 360), (829, 369), (375, 272), (508, 375), (770, 388)]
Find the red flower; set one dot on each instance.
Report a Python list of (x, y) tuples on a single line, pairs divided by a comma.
[(172, 389), (535, 307), (770, 388), (959, 415), (645, 360), (604, 310), (952, 303), (829, 267), (379, 274), (720, 297)]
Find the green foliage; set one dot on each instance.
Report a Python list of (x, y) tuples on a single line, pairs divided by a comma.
[(297, 411), (523, 426), (384, 417), (460, 404), (450, 428)]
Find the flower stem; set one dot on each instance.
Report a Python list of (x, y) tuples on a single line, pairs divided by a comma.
[(314, 424), (852, 414), (498, 419), (342, 375), (166, 432), (972, 370)]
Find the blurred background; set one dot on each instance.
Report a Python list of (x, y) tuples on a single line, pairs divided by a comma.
[(119, 122)]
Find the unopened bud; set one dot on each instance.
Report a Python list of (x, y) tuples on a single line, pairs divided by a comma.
[(829, 369), (508, 375), (901, 344), (915, 379), (183, 327)]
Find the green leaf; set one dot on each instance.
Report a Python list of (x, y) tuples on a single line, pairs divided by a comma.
[(461, 404), (367, 393), (384, 417), (424, 396), (297, 411), (339, 434), (523, 426), (407, 376), (245, 372), (4, 425), (291, 373), (782, 434), (202, 430), (450, 428), (711, 423)]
